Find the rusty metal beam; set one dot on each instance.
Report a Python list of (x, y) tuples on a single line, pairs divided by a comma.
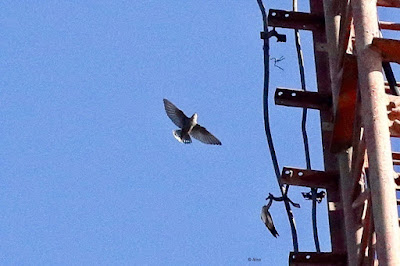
[(365, 195), (357, 165), (389, 49), (344, 35), (366, 234), (345, 106), (386, 25), (294, 20), (309, 178), (388, 3), (337, 43), (396, 158), (313, 258), (305, 99), (322, 63)]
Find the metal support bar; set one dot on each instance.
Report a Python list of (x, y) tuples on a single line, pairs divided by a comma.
[(357, 164), (366, 234), (389, 49), (389, 3), (338, 24), (344, 33), (345, 105), (366, 195), (313, 258), (305, 99), (385, 25), (375, 122), (322, 37), (396, 158), (309, 178), (294, 20)]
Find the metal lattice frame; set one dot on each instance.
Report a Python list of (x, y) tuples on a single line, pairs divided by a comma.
[(358, 117)]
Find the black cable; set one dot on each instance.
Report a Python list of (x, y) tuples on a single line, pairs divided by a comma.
[(314, 191), (389, 72), (390, 78), (268, 130)]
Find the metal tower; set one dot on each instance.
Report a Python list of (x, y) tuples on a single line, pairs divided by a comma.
[(359, 112)]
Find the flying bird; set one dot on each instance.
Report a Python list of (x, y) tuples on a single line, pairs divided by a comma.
[(188, 126), (267, 219)]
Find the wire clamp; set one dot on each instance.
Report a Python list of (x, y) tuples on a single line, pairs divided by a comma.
[(271, 33)]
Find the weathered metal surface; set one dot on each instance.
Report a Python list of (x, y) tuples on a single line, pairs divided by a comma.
[(294, 20), (396, 158), (336, 220), (345, 106), (309, 178), (298, 98), (367, 224), (313, 258), (345, 113), (344, 36), (389, 49), (393, 110), (387, 87), (386, 25), (358, 163), (375, 122), (365, 195), (389, 3)]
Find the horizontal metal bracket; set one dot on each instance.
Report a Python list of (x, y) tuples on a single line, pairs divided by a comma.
[(314, 258), (294, 20), (389, 48), (309, 178), (388, 3), (396, 158), (305, 99)]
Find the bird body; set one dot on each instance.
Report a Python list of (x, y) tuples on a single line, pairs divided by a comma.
[(183, 135), (188, 126), (267, 220)]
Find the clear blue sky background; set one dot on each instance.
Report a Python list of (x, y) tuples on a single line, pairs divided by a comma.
[(90, 171)]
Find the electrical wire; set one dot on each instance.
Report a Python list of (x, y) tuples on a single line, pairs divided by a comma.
[(389, 72), (284, 190), (314, 191)]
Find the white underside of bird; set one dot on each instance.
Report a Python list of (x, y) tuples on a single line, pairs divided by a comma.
[(188, 126), (267, 220)]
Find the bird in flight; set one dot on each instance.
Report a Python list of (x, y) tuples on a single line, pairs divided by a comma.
[(267, 219), (188, 126)]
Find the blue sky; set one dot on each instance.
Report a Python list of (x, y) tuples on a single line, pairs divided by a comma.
[(90, 170)]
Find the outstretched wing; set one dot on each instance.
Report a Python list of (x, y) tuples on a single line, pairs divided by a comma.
[(176, 115), (202, 134)]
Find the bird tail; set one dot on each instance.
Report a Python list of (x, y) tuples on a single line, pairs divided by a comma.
[(274, 232), (183, 139)]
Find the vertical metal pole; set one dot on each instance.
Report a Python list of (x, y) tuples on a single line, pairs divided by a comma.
[(336, 225), (353, 232), (333, 13), (375, 120)]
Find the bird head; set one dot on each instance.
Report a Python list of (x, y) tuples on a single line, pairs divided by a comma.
[(194, 118)]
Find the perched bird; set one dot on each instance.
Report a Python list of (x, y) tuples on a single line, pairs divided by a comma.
[(188, 126), (267, 219)]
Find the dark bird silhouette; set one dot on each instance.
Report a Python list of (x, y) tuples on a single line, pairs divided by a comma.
[(267, 219), (188, 126)]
